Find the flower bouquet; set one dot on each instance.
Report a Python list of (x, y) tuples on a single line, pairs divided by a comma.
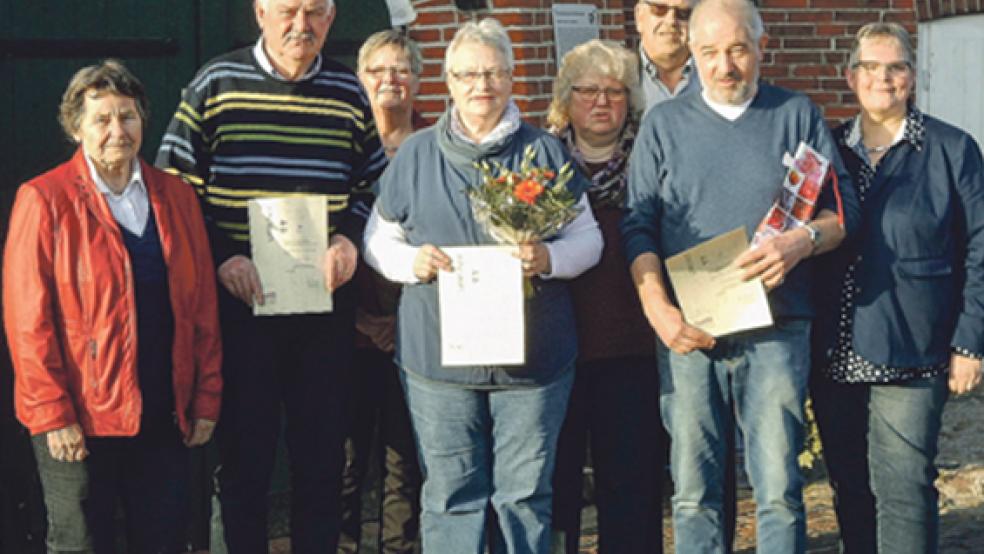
[(525, 206)]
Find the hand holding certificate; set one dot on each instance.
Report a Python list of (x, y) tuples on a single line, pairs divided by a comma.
[(710, 290), (288, 237), (481, 307)]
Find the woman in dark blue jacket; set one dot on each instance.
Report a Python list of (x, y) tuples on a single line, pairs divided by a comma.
[(904, 319)]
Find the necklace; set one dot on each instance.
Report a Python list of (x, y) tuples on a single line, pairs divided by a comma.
[(877, 149)]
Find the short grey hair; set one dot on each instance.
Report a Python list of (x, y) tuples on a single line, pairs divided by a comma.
[(601, 57), (488, 32), (880, 30), (266, 3), (107, 76), (391, 37), (744, 9)]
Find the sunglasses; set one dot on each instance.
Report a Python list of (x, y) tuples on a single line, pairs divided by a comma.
[(659, 10)]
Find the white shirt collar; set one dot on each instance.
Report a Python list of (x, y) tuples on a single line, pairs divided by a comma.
[(508, 124), (728, 111), (854, 137), (134, 185), (261, 57)]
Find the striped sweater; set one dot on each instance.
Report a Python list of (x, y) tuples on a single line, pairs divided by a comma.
[(240, 133)]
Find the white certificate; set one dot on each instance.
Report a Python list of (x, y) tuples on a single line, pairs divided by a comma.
[(289, 236), (708, 285), (481, 307)]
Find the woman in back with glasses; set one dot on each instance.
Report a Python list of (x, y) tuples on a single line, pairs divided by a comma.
[(595, 111)]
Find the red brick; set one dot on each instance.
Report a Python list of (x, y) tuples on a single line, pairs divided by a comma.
[(811, 16), (823, 98), (798, 57), (773, 71), (433, 87), (785, 4), (840, 113), (797, 84), (789, 30), (525, 35), (425, 35), (436, 18), (839, 84), (774, 16), (806, 43), (516, 18), (814, 71), (863, 16), (832, 29), (430, 105)]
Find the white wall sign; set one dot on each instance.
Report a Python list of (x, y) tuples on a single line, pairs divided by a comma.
[(573, 24)]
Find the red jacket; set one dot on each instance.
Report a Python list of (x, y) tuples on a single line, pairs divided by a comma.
[(70, 311)]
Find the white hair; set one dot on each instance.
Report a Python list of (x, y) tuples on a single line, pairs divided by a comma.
[(488, 32), (266, 4), (744, 9)]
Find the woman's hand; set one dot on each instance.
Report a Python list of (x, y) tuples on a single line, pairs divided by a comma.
[(430, 259), (67, 444), (965, 374), (201, 431), (535, 258)]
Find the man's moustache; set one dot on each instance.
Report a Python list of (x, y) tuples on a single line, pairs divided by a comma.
[(305, 36)]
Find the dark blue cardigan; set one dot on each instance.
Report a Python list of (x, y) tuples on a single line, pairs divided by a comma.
[(919, 253)]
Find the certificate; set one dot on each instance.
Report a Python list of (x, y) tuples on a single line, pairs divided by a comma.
[(481, 307), (710, 290), (288, 237)]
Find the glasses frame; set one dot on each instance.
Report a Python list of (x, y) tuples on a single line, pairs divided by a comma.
[(380, 71), (591, 93), (892, 69), (660, 9), (470, 78)]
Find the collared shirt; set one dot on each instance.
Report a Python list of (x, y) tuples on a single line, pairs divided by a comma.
[(508, 124), (728, 111), (131, 207), (656, 90), (261, 57), (911, 125)]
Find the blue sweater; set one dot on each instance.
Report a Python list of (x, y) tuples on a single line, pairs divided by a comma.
[(424, 189), (694, 175)]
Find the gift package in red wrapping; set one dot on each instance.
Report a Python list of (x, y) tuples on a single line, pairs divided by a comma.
[(798, 197)]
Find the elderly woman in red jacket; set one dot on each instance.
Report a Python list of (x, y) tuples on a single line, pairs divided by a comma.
[(109, 308)]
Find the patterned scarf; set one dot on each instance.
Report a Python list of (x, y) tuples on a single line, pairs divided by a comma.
[(608, 185)]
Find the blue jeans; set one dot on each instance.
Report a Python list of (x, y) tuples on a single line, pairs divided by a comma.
[(762, 377), (479, 446), (879, 442)]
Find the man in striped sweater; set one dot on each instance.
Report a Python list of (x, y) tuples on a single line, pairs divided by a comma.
[(276, 119)]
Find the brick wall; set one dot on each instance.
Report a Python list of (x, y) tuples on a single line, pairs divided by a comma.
[(808, 47)]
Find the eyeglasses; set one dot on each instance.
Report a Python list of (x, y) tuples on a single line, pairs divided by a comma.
[(380, 71), (493, 76), (892, 69), (659, 10), (591, 93)]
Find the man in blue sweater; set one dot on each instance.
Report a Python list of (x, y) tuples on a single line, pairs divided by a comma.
[(702, 165)]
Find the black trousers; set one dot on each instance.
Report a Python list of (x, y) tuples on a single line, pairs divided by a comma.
[(615, 403), (148, 474), (296, 366), (380, 412)]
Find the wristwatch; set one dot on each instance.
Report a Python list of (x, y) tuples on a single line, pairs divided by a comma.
[(814, 233)]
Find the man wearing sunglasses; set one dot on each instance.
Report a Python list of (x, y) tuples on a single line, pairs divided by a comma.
[(667, 69)]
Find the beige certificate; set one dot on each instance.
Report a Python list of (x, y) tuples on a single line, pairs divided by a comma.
[(481, 307), (710, 290), (288, 237)]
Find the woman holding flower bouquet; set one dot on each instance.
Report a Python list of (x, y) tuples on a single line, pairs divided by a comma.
[(486, 434), (597, 102)]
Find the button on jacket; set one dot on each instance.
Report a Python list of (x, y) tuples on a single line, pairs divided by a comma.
[(70, 309)]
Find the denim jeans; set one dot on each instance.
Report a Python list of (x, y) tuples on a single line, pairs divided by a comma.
[(148, 475), (879, 442), (615, 404), (762, 376), (486, 446)]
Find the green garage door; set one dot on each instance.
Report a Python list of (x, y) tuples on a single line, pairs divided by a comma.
[(42, 43)]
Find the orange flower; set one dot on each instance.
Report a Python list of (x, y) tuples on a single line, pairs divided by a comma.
[(549, 174), (528, 191)]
